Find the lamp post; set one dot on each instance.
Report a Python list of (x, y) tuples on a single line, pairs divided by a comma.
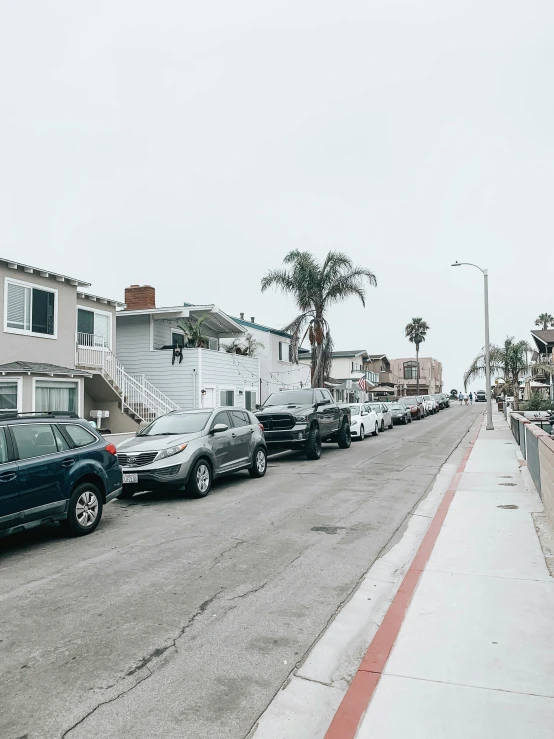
[(485, 272)]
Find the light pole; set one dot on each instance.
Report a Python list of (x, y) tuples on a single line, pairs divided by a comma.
[(485, 272)]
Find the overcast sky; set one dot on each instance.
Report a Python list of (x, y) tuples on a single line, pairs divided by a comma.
[(190, 145)]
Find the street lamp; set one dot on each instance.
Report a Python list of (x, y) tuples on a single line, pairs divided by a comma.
[(485, 272)]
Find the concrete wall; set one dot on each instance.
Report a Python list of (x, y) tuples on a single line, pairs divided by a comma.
[(546, 458), (24, 348)]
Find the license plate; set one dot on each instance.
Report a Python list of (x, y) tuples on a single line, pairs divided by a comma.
[(130, 479)]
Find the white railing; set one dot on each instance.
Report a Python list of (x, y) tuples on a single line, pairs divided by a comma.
[(136, 393)]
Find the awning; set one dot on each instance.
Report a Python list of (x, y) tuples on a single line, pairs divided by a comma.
[(384, 389)]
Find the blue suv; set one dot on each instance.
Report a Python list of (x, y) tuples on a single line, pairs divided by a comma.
[(54, 467)]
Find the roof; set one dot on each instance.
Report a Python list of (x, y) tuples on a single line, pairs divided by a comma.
[(39, 368), (97, 298), (373, 357), (222, 324), (349, 353), (261, 327), (543, 337), (11, 264)]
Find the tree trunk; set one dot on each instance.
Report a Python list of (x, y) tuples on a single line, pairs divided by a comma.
[(417, 368), (318, 378)]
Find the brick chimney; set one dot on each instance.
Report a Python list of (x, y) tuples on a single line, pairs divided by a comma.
[(140, 297)]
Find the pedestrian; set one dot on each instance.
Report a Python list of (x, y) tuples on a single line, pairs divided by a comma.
[(461, 397), (466, 398), (471, 398)]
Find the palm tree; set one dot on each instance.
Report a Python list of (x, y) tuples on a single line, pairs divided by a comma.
[(509, 361), (416, 332), (315, 287), (545, 320), (194, 332)]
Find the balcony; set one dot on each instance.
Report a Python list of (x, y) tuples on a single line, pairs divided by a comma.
[(386, 378)]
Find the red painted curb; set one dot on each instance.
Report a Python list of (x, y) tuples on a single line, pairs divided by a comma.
[(356, 701)]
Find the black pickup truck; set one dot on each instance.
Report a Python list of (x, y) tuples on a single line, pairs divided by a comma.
[(302, 419)]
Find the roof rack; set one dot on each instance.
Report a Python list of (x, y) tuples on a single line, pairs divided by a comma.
[(37, 414)]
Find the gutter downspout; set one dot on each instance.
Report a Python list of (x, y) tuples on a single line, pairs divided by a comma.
[(200, 386)]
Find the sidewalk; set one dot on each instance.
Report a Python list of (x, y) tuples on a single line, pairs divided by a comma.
[(466, 649)]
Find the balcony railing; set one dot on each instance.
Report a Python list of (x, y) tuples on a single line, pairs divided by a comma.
[(138, 395)]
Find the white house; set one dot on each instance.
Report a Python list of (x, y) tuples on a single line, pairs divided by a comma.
[(277, 371), (348, 369), (207, 377)]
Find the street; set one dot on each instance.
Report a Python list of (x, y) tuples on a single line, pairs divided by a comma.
[(182, 618)]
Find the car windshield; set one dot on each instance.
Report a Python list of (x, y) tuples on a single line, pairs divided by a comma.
[(356, 409), (375, 406), (176, 423), (410, 401), (296, 397)]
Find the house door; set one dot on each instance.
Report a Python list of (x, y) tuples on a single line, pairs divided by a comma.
[(209, 397)]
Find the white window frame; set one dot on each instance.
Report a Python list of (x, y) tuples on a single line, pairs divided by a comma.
[(46, 378), (19, 381), (101, 312), (32, 286), (232, 388), (284, 361), (252, 389)]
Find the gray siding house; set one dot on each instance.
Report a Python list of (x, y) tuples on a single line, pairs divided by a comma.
[(202, 377)]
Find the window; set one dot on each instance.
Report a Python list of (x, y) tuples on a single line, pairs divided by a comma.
[(34, 440), (3, 447), (227, 397), (327, 395), (213, 344), (30, 310), (239, 418), (79, 435), (96, 324), (8, 396), (55, 396), (410, 370), (60, 441), (320, 396), (177, 340), (285, 352), (250, 400), (221, 417)]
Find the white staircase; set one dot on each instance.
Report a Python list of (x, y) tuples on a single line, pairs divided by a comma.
[(138, 397)]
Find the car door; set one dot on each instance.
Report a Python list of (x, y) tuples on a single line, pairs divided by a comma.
[(43, 463), (386, 414), (242, 435), (10, 504), (333, 411), (222, 443), (322, 413)]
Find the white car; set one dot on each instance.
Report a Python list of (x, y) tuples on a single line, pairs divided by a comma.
[(431, 405), (363, 421), (384, 415)]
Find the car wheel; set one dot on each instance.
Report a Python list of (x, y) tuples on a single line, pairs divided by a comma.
[(376, 432), (406, 420), (362, 433), (259, 465), (200, 480), (84, 511), (345, 438), (313, 446), (391, 424), (382, 426)]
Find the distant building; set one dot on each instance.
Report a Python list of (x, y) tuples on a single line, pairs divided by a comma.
[(351, 380), (430, 374)]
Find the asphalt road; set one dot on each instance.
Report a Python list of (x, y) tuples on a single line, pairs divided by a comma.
[(181, 618)]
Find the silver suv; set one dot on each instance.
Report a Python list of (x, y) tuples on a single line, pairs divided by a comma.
[(187, 449)]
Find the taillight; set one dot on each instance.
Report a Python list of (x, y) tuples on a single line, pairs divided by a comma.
[(261, 426), (110, 448)]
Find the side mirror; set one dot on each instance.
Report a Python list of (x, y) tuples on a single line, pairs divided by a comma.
[(365, 413), (258, 406), (219, 428), (322, 402)]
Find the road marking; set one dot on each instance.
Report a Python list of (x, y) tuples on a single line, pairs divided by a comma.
[(358, 696)]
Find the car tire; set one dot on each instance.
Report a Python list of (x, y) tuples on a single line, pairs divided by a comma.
[(200, 480), (84, 510), (126, 494), (391, 424), (344, 438), (259, 464), (382, 429), (376, 432), (313, 445), (362, 433), (406, 420)]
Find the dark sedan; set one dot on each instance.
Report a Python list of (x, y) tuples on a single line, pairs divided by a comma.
[(400, 413)]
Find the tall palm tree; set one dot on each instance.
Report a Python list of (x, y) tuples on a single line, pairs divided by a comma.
[(509, 361), (416, 331), (545, 320), (315, 287)]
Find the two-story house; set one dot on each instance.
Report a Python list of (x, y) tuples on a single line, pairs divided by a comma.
[(147, 337), (351, 380), (57, 351), (277, 370)]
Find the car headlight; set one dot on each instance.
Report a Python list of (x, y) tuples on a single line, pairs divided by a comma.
[(354, 423), (301, 419), (170, 451)]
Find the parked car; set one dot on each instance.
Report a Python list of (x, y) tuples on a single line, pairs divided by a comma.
[(362, 421), (440, 399), (186, 450), (415, 404), (383, 414), (54, 467), (302, 419), (400, 413), (480, 396), (431, 405)]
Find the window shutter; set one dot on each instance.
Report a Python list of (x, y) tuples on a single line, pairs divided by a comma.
[(19, 307)]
